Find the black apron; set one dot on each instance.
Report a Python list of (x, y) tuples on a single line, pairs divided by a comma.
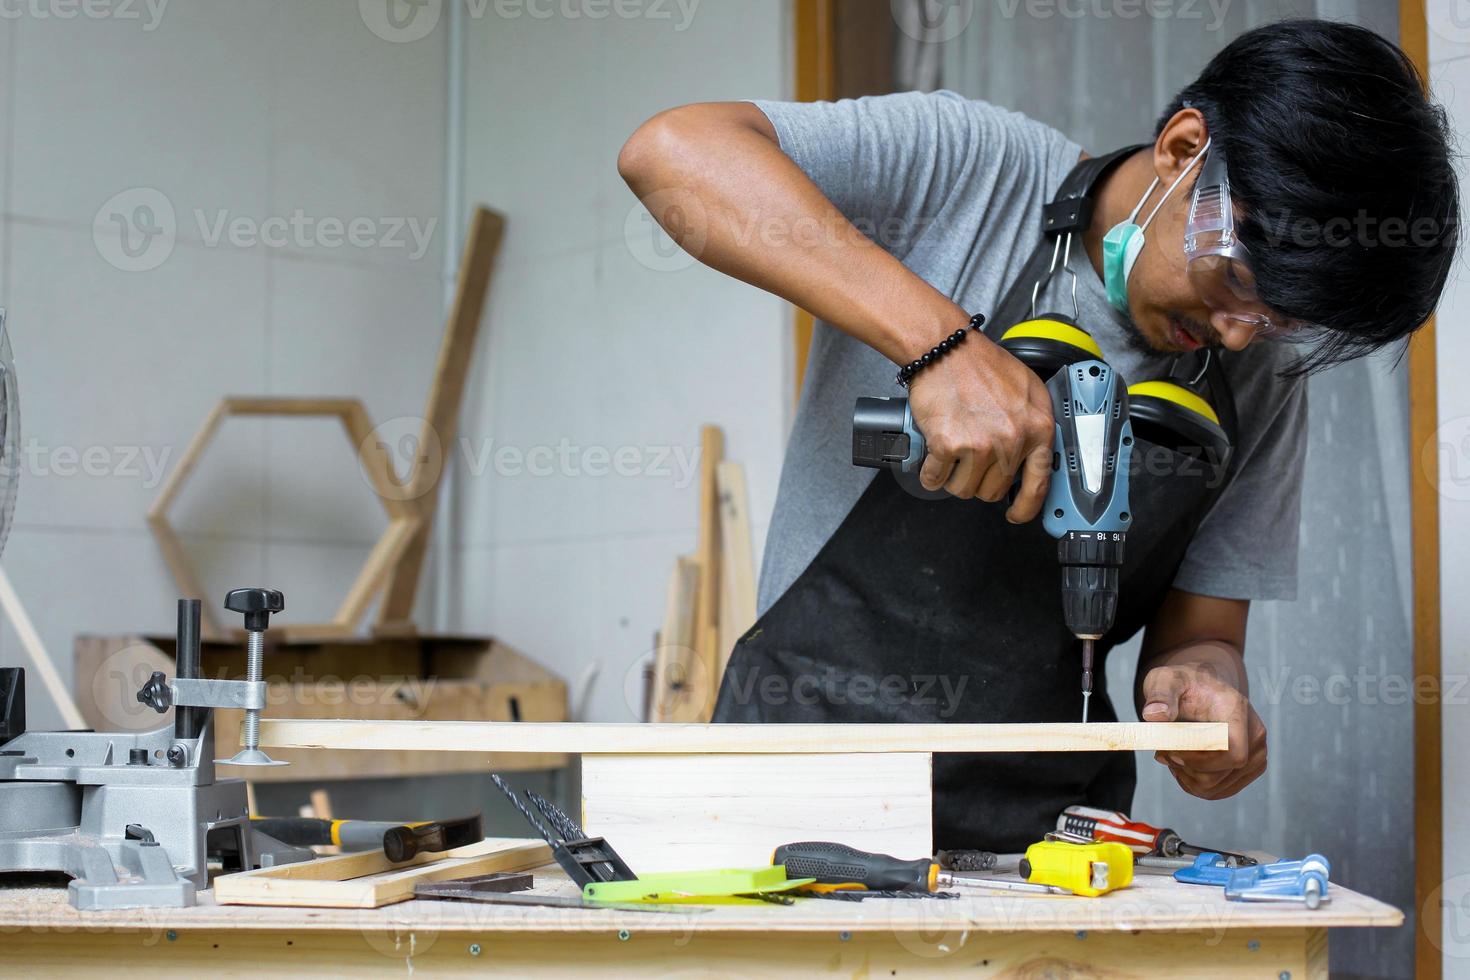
[(941, 611)]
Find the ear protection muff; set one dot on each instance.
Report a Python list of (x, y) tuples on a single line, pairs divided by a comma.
[(1050, 342), (1174, 414)]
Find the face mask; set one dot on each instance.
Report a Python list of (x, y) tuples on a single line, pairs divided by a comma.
[(1124, 240)]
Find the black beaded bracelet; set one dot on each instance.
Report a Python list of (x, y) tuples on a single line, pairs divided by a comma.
[(907, 372)]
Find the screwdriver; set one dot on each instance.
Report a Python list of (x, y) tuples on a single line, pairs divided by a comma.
[(1141, 838), (841, 866)]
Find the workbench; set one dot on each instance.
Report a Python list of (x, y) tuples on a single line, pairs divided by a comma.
[(1157, 927)]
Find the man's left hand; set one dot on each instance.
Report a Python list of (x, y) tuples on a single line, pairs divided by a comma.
[(1187, 692)]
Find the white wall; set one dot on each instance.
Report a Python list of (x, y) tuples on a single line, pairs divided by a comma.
[(1449, 59), (592, 340), (257, 109)]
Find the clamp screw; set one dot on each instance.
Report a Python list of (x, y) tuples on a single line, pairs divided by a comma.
[(474, 949), (257, 606)]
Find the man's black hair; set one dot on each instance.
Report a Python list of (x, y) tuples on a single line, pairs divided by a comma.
[(1341, 171)]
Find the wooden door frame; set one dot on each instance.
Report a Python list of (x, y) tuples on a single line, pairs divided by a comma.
[(1424, 512), (816, 79)]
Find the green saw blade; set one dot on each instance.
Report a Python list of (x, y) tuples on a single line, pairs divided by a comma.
[(672, 885)]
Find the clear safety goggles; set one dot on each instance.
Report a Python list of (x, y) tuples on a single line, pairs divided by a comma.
[(1218, 263)]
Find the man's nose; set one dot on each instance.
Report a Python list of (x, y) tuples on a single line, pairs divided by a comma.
[(1235, 334)]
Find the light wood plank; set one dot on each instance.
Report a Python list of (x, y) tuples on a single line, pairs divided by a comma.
[(441, 414), (675, 655), (1151, 904), (600, 950), (369, 880), (1424, 535), (703, 681), (593, 739), (737, 560), (44, 666), (672, 813)]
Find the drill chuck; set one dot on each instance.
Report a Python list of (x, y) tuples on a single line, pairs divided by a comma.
[(1091, 565)]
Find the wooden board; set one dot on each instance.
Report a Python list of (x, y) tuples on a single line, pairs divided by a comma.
[(703, 681), (441, 414), (369, 880), (737, 561), (591, 739), (675, 655), (673, 813), (599, 950), (1153, 903)]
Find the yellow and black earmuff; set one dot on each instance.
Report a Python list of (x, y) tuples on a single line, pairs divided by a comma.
[(1049, 342), (1177, 415)]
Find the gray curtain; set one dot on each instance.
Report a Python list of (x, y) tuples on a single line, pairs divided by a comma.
[(1340, 774)]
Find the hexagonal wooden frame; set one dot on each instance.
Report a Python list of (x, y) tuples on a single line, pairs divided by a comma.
[(404, 519)]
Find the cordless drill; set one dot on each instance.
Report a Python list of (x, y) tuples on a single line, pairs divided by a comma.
[(1086, 507)]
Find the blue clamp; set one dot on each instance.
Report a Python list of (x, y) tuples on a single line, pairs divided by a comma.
[(1284, 881), (1208, 869)]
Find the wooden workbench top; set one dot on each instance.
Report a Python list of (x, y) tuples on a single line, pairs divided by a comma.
[(1152, 903)]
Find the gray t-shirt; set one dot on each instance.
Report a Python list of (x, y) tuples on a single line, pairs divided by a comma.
[(953, 188)]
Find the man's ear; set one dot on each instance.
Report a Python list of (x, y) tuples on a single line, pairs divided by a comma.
[(1182, 139)]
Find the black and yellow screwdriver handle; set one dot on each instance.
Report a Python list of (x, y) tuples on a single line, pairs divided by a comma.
[(838, 865)]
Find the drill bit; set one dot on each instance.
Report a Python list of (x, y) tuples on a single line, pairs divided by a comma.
[(1086, 676)]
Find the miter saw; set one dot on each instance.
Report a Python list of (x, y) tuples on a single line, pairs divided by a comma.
[(134, 818)]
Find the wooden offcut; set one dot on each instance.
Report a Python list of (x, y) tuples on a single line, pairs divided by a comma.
[(368, 880), (617, 739), (703, 680), (441, 415), (403, 520), (672, 813), (737, 560), (674, 657)]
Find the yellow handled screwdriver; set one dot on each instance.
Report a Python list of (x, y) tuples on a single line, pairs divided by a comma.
[(839, 867)]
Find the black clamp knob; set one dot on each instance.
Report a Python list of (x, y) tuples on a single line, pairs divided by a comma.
[(257, 605), (156, 693)]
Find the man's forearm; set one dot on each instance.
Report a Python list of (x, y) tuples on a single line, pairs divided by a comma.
[(724, 190)]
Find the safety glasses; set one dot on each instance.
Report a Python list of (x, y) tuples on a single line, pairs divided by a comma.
[(1218, 263)]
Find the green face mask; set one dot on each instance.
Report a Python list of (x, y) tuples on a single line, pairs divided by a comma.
[(1125, 240)]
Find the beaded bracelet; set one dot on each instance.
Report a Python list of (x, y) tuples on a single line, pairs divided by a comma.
[(907, 372)]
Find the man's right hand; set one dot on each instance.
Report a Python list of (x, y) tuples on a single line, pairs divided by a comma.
[(985, 416)]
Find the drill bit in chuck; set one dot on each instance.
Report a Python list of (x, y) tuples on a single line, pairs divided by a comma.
[(1086, 676)]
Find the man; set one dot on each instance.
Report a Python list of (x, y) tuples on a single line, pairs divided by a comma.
[(893, 220)]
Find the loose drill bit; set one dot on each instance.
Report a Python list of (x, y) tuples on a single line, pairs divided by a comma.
[(1086, 676)]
